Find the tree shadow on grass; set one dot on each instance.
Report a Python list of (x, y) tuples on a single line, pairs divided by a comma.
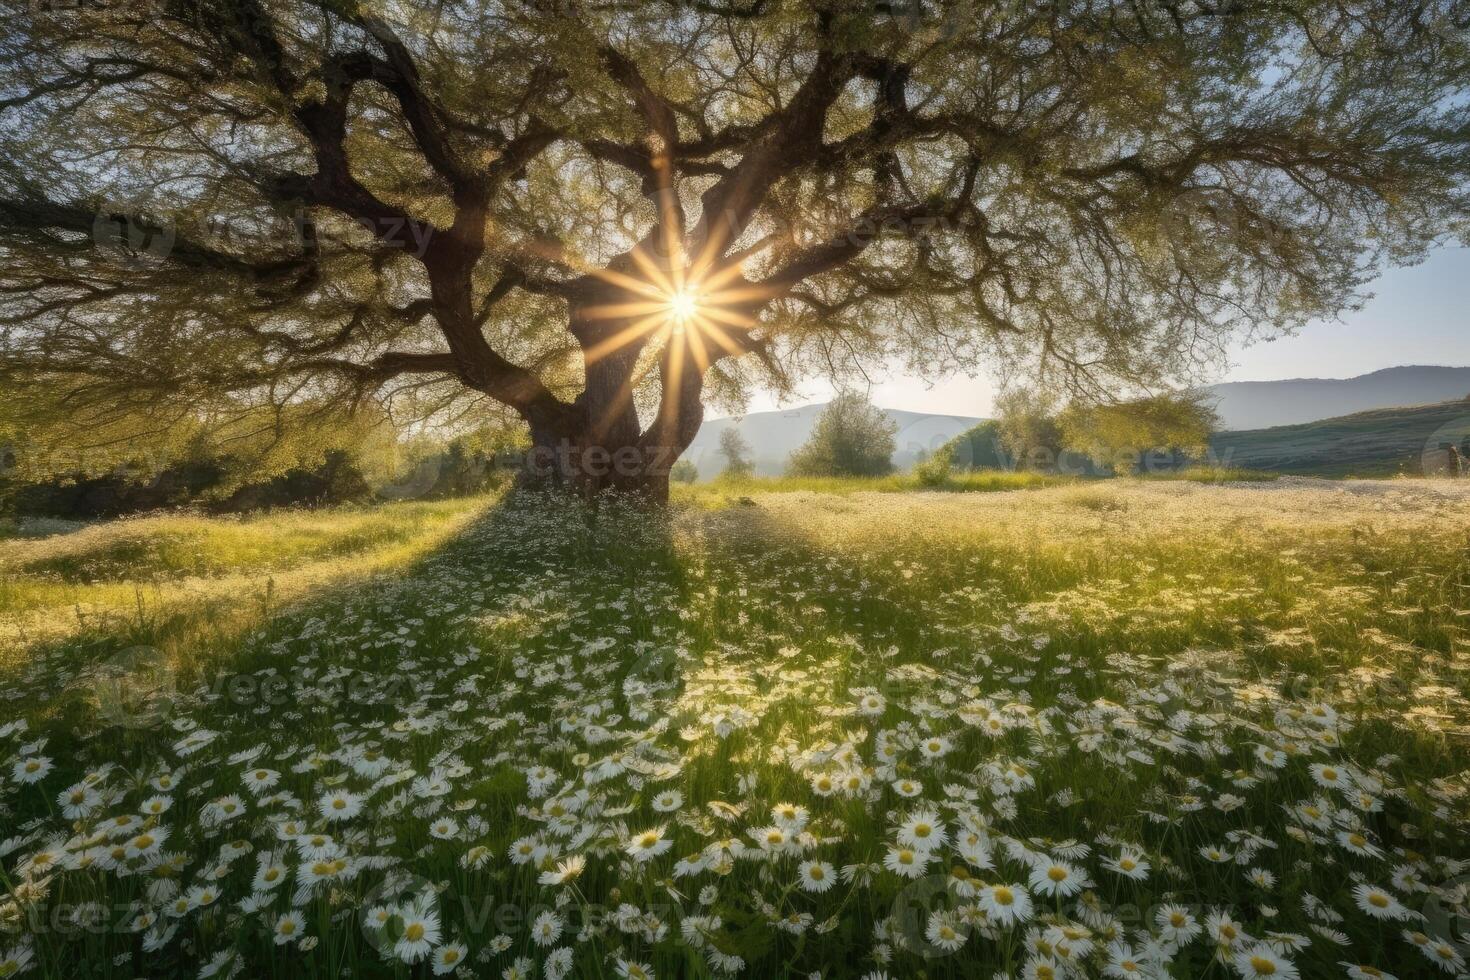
[(127, 677)]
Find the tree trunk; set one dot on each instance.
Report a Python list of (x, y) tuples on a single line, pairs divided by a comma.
[(589, 466), (606, 450)]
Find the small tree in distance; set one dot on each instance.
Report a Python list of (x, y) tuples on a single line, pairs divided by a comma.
[(684, 471), (1027, 429), (852, 437), (736, 452), (1121, 436)]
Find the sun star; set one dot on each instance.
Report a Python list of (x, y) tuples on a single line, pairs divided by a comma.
[(683, 306)]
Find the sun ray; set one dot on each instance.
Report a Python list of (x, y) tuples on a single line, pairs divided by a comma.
[(625, 337), (654, 286), (715, 282), (732, 318), (717, 333), (617, 403), (695, 338), (753, 292), (676, 375), (622, 311), (657, 276)]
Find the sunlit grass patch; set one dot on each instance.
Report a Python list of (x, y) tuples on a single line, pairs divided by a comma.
[(724, 489), (171, 580)]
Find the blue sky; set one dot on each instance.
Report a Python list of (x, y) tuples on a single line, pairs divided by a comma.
[(1418, 315)]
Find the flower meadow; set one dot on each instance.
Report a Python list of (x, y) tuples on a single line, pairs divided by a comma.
[(1113, 730)]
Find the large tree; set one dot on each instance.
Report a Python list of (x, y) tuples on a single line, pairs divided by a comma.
[(600, 214)]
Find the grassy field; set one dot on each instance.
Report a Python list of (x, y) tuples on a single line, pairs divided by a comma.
[(1214, 474), (1117, 728), (984, 481), (188, 583)]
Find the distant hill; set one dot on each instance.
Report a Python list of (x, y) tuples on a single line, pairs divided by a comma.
[(1383, 442), (774, 435), (1302, 425), (1259, 404)]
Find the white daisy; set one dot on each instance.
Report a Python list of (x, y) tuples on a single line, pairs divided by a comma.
[(817, 876)]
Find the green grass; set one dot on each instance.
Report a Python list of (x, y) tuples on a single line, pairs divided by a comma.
[(1103, 662), (1213, 474), (159, 580), (988, 481)]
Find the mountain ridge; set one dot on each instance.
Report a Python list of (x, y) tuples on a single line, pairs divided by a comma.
[(1245, 405), (774, 435)]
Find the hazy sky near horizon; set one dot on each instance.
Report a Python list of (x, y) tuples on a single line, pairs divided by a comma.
[(1418, 315)]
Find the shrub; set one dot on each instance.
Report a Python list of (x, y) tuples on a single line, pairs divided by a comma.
[(736, 451), (935, 471), (852, 437)]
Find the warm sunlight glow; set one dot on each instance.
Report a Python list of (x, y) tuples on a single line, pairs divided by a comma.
[(683, 306)]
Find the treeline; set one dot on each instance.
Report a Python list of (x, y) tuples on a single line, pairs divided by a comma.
[(1033, 432), (211, 484)]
